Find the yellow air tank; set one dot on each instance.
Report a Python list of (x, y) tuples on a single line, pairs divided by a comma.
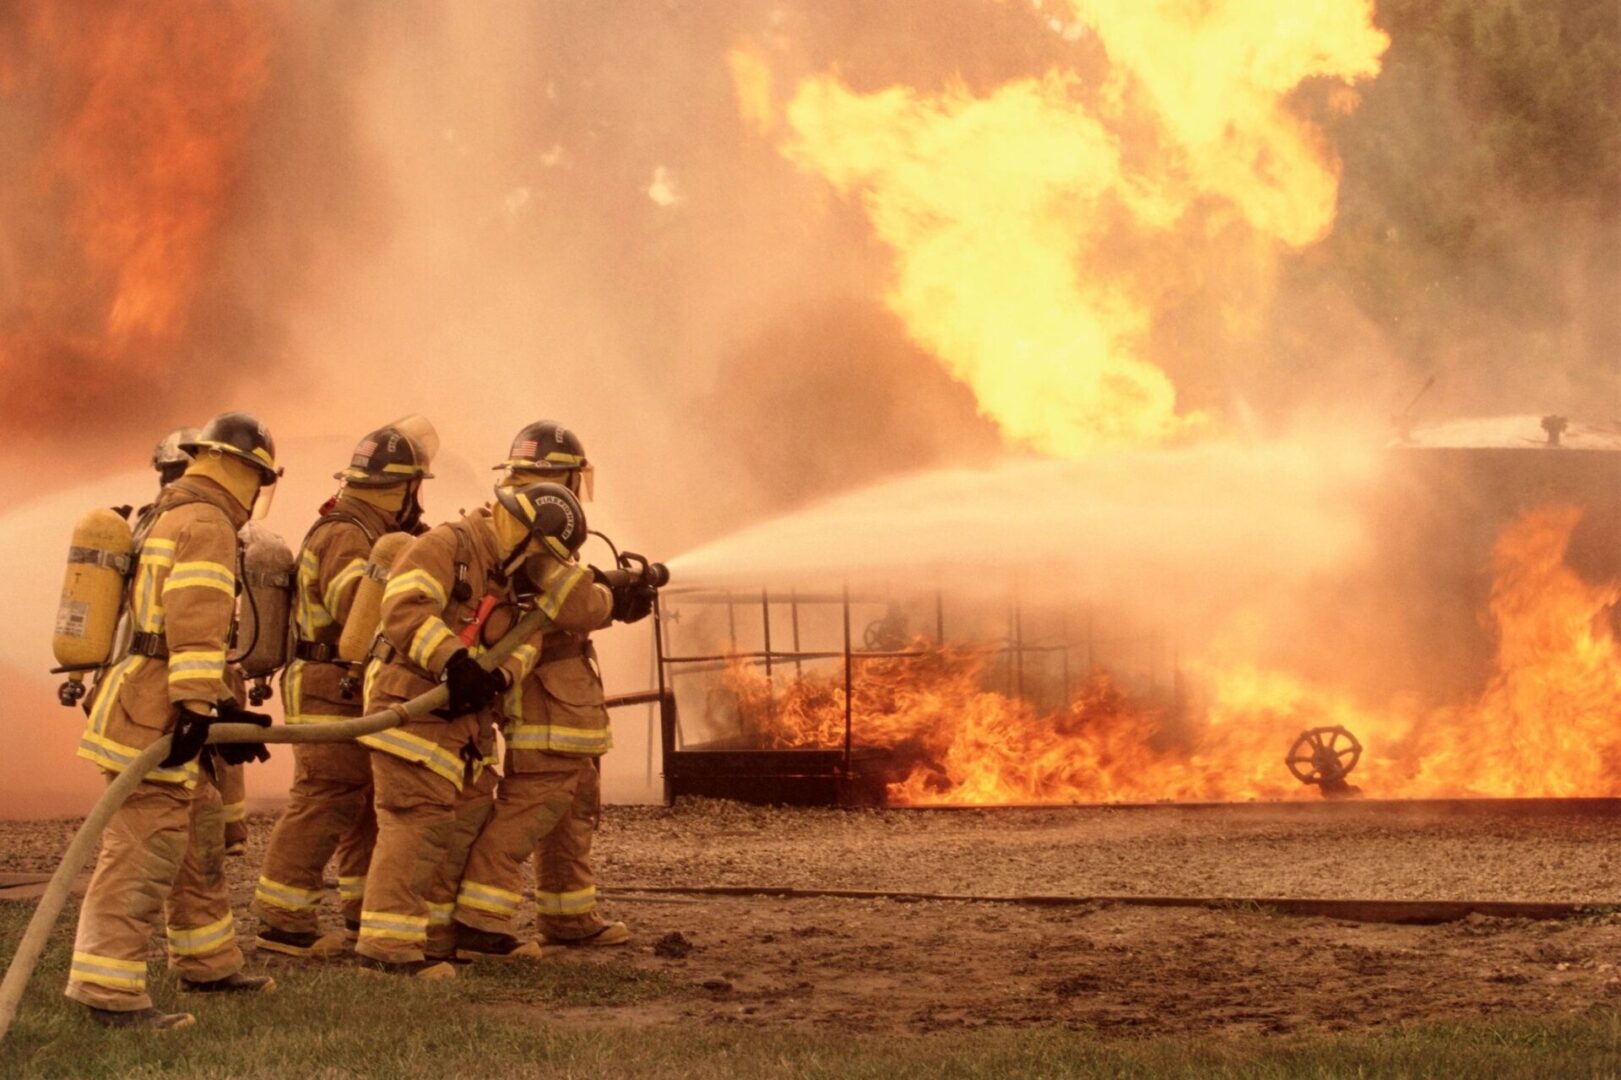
[(264, 612), (367, 610), (92, 598)]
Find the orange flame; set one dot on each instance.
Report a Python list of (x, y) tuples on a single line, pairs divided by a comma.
[(1040, 228), (148, 107), (1545, 725)]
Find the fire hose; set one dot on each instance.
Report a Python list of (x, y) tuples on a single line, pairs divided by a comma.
[(88, 838)]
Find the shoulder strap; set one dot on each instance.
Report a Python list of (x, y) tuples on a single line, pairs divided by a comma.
[(332, 517)]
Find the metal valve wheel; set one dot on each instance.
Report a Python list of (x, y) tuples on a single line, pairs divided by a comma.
[(1324, 756)]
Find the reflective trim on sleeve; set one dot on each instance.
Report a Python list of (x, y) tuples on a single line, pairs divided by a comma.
[(578, 902), (204, 939), (197, 664), (418, 580), (426, 641), (552, 600), (207, 575), (286, 897)]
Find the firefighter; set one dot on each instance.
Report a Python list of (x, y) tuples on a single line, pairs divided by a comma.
[(549, 796), (162, 854), (451, 593), (170, 461), (330, 807)]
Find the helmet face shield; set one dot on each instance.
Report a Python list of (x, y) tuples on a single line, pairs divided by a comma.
[(585, 487), (417, 428), (263, 500)]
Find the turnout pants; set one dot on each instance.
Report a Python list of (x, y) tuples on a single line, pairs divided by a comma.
[(473, 808), (233, 785), (551, 813), (421, 821), (329, 813), (162, 856)]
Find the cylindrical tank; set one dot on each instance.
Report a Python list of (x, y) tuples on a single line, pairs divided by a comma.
[(265, 609), (366, 611), (92, 596)]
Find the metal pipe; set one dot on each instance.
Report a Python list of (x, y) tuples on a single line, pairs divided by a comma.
[(793, 602), (122, 786), (849, 681), (765, 618)]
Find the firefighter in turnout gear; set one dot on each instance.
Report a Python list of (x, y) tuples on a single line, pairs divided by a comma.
[(162, 855), (170, 461), (329, 811), (452, 592), (549, 795)]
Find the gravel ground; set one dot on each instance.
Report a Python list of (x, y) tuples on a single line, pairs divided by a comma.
[(1367, 851), (874, 965)]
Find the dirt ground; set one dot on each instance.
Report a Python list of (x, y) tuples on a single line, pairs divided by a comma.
[(889, 966)]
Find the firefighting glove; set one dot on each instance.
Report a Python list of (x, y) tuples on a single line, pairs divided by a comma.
[(241, 753), (186, 737), (633, 601), (471, 687)]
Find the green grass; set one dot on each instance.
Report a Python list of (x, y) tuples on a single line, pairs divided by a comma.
[(334, 1022)]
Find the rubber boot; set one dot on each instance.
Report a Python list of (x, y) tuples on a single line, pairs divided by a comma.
[(609, 933), (147, 1019), (414, 969), (474, 944), (237, 983), (305, 945)]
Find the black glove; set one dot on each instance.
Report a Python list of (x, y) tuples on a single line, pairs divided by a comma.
[(471, 687), (633, 601), (187, 737), (241, 753)]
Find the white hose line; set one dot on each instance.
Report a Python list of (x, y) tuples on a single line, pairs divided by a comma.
[(88, 838)]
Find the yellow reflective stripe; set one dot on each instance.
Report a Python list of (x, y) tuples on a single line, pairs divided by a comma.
[(204, 939), (292, 689), (488, 898), (234, 812), (418, 580), (340, 581), (108, 696), (439, 914), (314, 718), (351, 888), (551, 601), (108, 971), (403, 744), (116, 757), (207, 575), (429, 636), (552, 737), (577, 902), (383, 924), (287, 897), (197, 664)]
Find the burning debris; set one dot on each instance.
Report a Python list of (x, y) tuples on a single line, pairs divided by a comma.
[(950, 730)]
